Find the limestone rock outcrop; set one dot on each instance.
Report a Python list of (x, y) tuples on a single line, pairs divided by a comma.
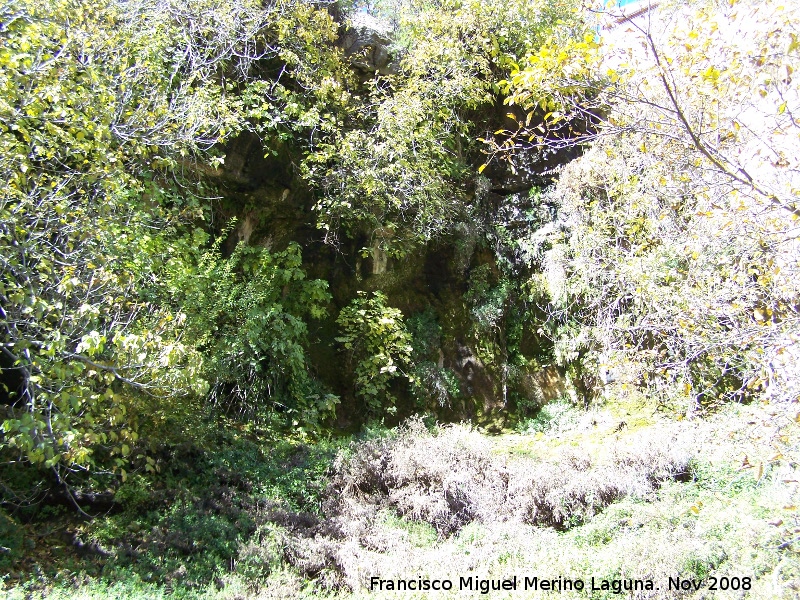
[(367, 42)]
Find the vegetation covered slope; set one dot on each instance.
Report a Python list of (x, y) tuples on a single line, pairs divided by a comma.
[(229, 232), (674, 255), (582, 499)]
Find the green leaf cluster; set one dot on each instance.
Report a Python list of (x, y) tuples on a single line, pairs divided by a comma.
[(106, 109), (376, 338), (402, 164), (247, 316)]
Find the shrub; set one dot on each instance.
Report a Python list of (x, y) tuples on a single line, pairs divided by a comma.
[(248, 313), (449, 478), (377, 339)]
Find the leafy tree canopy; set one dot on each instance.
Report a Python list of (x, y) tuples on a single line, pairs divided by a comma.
[(103, 105)]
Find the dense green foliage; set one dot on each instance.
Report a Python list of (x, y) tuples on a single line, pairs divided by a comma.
[(673, 259), (121, 310), (230, 230), (379, 343), (432, 383), (246, 315), (111, 291), (80, 239), (401, 172)]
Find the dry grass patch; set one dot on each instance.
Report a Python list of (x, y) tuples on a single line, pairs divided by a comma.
[(414, 488), (449, 478)]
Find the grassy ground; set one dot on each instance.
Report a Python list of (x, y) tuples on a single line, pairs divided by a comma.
[(574, 496)]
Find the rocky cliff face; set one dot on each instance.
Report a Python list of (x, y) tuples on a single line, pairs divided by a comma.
[(367, 41), (273, 207)]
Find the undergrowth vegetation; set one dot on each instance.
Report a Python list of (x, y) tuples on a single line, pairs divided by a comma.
[(437, 502), (450, 478), (300, 295)]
